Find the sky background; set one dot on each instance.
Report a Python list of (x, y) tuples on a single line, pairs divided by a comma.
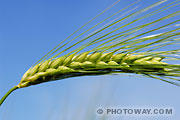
[(31, 28)]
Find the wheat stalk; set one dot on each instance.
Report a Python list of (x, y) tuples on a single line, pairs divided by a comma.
[(108, 50)]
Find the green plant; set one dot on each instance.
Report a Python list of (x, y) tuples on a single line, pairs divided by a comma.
[(114, 51)]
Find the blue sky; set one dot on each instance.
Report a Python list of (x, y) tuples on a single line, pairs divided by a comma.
[(29, 29)]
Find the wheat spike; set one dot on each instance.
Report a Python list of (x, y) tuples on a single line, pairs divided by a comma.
[(95, 63)]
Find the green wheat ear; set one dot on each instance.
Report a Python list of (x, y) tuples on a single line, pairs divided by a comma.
[(115, 50)]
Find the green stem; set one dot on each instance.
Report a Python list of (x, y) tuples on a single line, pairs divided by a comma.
[(7, 94)]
